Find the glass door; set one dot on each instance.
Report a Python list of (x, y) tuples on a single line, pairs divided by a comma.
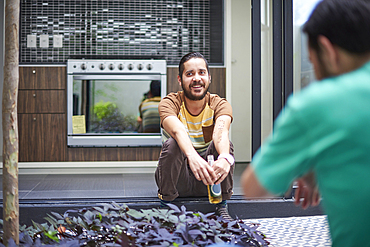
[(302, 69)]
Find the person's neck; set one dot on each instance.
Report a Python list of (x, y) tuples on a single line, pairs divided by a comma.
[(194, 107), (352, 62)]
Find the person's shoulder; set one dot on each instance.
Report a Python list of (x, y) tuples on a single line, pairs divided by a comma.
[(173, 96), (215, 100), (214, 96), (312, 95), (172, 99), (323, 95), (334, 88)]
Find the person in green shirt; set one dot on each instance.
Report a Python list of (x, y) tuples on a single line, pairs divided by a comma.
[(321, 139)]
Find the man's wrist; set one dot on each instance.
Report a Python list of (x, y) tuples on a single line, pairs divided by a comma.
[(228, 157)]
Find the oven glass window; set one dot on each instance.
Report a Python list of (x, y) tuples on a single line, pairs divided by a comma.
[(111, 106)]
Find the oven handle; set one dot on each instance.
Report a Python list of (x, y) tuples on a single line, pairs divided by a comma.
[(118, 77)]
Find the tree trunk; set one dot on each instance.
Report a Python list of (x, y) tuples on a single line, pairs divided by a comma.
[(10, 123)]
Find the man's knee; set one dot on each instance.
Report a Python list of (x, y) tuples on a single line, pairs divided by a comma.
[(171, 153), (171, 146)]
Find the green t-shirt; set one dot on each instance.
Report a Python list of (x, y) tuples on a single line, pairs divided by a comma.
[(325, 128)]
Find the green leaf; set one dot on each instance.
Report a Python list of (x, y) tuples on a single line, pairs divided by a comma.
[(52, 235), (196, 214), (100, 217)]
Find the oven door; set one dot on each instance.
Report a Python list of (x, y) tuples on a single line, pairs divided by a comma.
[(106, 110)]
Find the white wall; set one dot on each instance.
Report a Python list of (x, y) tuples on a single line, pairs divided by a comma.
[(266, 69), (238, 58)]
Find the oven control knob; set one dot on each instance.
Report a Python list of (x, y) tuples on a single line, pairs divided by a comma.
[(149, 66), (120, 66), (101, 66), (140, 66), (130, 66), (83, 66), (111, 66)]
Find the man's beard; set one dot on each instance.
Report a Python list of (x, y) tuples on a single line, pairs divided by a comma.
[(188, 94)]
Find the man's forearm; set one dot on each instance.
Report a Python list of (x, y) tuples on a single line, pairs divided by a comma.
[(250, 184), (175, 128), (184, 142), (221, 136)]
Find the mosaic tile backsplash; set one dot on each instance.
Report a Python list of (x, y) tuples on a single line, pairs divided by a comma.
[(53, 31)]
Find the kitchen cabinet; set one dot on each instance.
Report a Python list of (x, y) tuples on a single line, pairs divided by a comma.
[(41, 101), (41, 137), (41, 114), (42, 78)]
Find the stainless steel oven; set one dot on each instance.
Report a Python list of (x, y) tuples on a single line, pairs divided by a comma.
[(105, 102)]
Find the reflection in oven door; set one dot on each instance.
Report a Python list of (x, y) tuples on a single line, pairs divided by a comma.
[(114, 109)]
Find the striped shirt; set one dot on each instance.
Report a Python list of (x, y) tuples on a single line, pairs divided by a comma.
[(150, 116), (200, 127)]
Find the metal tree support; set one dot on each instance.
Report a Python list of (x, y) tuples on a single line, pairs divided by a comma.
[(10, 123)]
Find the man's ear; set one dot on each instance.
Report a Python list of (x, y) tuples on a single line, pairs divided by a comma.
[(179, 79), (329, 54)]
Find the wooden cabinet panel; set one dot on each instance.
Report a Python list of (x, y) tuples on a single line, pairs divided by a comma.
[(42, 77), (113, 154), (41, 118), (55, 138), (42, 137), (172, 84), (30, 137), (218, 85), (41, 101)]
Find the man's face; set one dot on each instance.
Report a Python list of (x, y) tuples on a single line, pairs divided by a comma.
[(195, 79), (319, 65)]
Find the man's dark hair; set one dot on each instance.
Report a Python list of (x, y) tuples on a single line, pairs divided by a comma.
[(155, 88), (345, 23), (189, 56)]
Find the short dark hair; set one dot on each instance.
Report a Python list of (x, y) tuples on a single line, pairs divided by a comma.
[(189, 56), (155, 88), (345, 23)]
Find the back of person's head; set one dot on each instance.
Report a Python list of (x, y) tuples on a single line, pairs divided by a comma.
[(155, 88), (189, 56), (346, 23)]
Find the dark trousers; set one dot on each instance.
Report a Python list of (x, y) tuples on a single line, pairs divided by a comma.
[(174, 177)]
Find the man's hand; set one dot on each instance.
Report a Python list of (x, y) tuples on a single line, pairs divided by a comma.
[(221, 168), (308, 190), (201, 169)]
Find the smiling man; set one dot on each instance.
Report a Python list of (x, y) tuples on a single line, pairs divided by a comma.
[(322, 137), (196, 124)]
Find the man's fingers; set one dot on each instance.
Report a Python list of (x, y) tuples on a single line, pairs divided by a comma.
[(221, 178), (297, 194), (306, 199), (206, 176), (316, 197), (297, 198)]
